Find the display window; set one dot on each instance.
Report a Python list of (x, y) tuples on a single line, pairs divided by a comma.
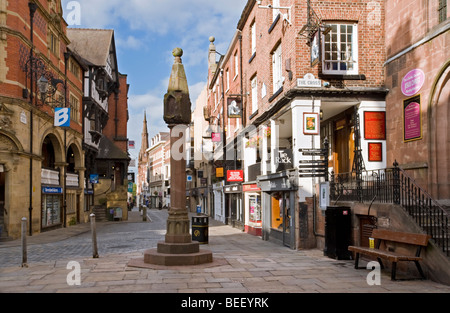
[(51, 210), (254, 201)]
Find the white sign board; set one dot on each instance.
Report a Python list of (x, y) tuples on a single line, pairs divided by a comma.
[(309, 81)]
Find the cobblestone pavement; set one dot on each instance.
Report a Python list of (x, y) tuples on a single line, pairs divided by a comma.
[(242, 264)]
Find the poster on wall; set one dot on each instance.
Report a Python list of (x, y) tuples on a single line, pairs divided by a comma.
[(412, 119), (375, 152), (311, 123), (374, 125)]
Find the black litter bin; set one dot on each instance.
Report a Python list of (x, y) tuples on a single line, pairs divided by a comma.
[(200, 229), (338, 232)]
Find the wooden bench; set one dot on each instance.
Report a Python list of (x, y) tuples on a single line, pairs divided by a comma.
[(380, 235)]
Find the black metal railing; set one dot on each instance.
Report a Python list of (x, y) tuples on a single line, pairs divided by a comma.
[(394, 185), (348, 187)]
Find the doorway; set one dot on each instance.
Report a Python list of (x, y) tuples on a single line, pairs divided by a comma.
[(281, 217), (344, 144)]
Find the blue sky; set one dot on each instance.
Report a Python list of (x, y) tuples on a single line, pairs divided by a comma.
[(146, 32)]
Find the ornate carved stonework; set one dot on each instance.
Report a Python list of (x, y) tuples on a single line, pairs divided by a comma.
[(5, 118)]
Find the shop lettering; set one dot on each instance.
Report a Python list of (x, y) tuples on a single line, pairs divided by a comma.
[(284, 158)]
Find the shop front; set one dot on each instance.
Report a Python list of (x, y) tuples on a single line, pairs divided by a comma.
[(51, 211), (278, 207), (233, 203), (252, 209)]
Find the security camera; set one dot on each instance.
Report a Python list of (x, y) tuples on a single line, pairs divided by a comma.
[(269, 6)]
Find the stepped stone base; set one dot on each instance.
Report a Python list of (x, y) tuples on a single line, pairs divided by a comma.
[(172, 254)]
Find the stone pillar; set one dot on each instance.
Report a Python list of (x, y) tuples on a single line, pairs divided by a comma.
[(178, 248)]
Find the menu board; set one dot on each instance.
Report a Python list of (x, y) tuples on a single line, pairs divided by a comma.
[(412, 119), (375, 152), (375, 125)]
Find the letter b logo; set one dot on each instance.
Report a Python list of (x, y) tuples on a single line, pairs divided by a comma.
[(62, 117)]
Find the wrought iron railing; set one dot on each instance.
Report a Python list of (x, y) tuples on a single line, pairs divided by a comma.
[(394, 185)]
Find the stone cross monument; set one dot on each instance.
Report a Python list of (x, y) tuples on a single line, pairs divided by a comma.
[(178, 248)]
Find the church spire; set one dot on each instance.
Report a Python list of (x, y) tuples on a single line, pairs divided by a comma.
[(144, 138)]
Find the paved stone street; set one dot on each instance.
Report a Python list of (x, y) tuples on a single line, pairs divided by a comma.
[(242, 264)]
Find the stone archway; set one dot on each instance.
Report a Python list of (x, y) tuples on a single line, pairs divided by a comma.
[(439, 137), (9, 148)]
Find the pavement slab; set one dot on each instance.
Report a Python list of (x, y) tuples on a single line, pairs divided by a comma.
[(242, 264)]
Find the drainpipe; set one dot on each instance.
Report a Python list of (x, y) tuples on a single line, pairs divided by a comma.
[(66, 60), (32, 6)]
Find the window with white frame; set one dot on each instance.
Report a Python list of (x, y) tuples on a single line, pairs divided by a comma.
[(340, 49), (254, 94), (228, 79), (253, 37), (236, 65), (275, 4), (277, 69)]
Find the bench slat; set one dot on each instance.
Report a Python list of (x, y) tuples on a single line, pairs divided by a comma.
[(391, 256), (409, 238)]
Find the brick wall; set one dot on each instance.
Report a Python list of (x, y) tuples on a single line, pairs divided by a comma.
[(369, 16)]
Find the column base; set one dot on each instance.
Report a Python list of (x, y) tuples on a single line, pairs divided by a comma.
[(177, 254)]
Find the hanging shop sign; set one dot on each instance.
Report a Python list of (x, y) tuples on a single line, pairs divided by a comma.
[(93, 178), (284, 159), (412, 119), (62, 117), (219, 171), (235, 176), (215, 137), (234, 108), (413, 82), (315, 49)]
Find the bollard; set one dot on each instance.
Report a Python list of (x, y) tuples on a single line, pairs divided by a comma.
[(24, 242), (94, 237), (144, 214)]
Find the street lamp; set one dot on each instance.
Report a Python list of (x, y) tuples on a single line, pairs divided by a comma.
[(47, 90)]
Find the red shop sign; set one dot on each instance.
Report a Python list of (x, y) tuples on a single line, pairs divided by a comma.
[(235, 176)]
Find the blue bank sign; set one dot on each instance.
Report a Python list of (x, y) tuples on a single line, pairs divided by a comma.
[(52, 190)]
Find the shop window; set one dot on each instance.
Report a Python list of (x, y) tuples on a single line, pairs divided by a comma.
[(340, 48), (254, 208), (51, 210)]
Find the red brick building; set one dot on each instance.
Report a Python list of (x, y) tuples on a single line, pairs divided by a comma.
[(41, 165), (301, 74), (417, 75)]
